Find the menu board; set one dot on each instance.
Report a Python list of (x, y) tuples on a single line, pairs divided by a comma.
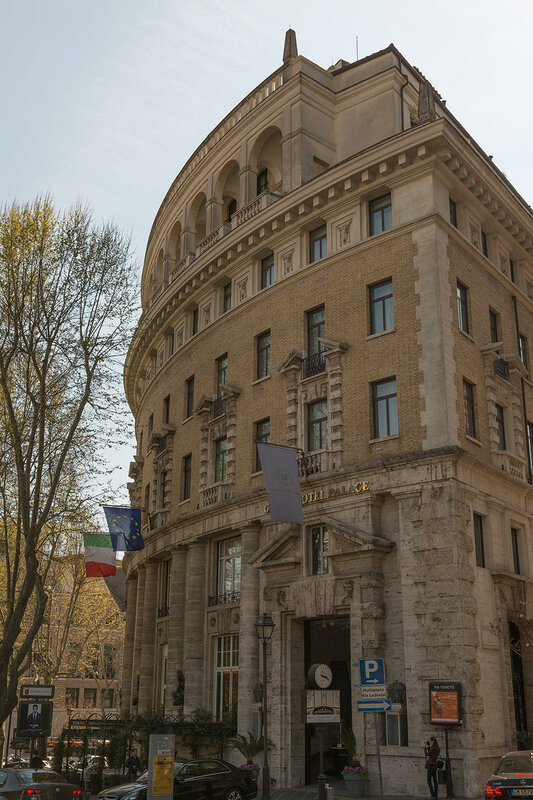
[(445, 703)]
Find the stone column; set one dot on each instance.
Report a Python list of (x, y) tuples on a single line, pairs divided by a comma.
[(248, 641), (176, 623), (137, 646), (148, 660), (193, 661), (129, 640)]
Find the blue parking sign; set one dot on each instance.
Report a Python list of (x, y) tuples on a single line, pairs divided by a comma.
[(372, 671)]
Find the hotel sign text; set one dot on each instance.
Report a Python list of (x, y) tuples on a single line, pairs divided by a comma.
[(333, 491)]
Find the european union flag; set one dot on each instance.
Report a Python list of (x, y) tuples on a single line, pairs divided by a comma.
[(124, 527)]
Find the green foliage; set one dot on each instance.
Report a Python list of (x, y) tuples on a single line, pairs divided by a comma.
[(59, 753), (116, 750), (349, 743), (248, 746), (524, 740)]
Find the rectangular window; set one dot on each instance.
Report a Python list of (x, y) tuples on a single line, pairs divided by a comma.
[(262, 181), (484, 245), (263, 355), (71, 697), (226, 676), (89, 698), (150, 423), (316, 329), (262, 434), (479, 540), (494, 326), (385, 407), (522, 349), (186, 465), (317, 426), (381, 309), (462, 308), (318, 244), (221, 451), (164, 589), (222, 374), (468, 400), (226, 299), (108, 698), (380, 214), (530, 445), (195, 322), (189, 397), (319, 543), (501, 427), (166, 409), (146, 510), (267, 271), (453, 213), (163, 664), (229, 569), (511, 268), (515, 534)]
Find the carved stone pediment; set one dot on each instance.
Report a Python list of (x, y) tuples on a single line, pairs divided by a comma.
[(283, 551), (351, 540), (204, 404), (333, 346), (292, 361), (229, 390)]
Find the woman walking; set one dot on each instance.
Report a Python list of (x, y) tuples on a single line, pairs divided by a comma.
[(431, 752)]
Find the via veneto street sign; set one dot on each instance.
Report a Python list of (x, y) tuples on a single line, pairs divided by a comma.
[(29, 690), (445, 703)]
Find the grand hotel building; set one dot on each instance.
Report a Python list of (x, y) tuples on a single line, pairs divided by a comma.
[(339, 268)]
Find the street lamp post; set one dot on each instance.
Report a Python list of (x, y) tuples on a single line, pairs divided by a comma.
[(264, 627)]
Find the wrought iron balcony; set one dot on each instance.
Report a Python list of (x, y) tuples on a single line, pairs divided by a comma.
[(501, 369), (224, 599), (218, 409), (313, 365)]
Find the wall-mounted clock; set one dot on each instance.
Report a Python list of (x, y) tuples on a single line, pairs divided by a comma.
[(320, 675)]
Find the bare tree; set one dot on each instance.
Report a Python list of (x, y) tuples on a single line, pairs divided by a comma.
[(66, 309)]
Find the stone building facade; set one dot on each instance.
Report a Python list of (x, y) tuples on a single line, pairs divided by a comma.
[(341, 269)]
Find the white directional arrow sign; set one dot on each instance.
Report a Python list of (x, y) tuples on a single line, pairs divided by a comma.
[(374, 705)]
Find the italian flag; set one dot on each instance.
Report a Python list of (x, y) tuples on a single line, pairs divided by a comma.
[(99, 555)]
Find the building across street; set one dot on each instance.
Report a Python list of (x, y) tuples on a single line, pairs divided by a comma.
[(341, 269)]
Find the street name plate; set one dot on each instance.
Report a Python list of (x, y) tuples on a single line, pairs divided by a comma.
[(373, 692)]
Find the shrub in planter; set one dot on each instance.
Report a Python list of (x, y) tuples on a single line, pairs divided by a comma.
[(355, 780)]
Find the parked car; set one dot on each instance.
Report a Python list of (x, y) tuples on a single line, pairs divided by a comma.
[(513, 777), (24, 784), (196, 777)]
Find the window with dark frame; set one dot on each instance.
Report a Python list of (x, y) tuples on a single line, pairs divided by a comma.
[(380, 214), (515, 534), (318, 243), (108, 697), (453, 213), (494, 326), (263, 355), (479, 540), (462, 308), (267, 271), (484, 244), (500, 424), (231, 209), (511, 268), (522, 349), (229, 568), (89, 698), (166, 409), (221, 453), (316, 330), (189, 397), (222, 374), (226, 299), (530, 445), (150, 423), (262, 434), (385, 408), (317, 425), (381, 307), (195, 322), (468, 401), (262, 181), (226, 676), (319, 544), (186, 468)]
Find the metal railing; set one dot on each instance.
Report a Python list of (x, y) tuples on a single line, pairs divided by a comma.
[(224, 599), (501, 369), (218, 409), (313, 365)]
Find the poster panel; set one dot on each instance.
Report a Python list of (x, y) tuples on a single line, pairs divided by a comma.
[(34, 718), (161, 766), (445, 703), (323, 705)]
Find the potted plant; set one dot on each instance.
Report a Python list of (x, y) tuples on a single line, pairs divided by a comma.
[(354, 774), (249, 747)]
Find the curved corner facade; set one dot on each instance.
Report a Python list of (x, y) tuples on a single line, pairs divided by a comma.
[(340, 269)]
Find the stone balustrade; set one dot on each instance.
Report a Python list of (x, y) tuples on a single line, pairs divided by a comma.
[(218, 493)]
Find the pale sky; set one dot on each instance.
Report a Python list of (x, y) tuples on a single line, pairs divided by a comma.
[(104, 100)]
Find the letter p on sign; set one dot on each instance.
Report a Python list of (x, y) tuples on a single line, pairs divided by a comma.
[(372, 671)]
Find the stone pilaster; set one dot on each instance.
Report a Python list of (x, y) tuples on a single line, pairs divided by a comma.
[(148, 660), (193, 662), (177, 620), (137, 646), (248, 641), (129, 640)]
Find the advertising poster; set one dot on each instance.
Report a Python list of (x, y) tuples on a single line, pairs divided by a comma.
[(163, 777), (34, 718), (161, 766), (323, 705), (445, 703)]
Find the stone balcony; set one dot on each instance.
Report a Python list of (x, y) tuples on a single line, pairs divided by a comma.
[(510, 463), (218, 493), (314, 463)]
